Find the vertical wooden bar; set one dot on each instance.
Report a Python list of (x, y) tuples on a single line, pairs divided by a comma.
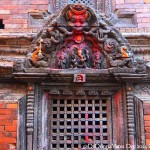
[(22, 125), (130, 118), (30, 115)]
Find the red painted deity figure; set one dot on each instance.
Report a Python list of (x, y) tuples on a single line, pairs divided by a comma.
[(78, 20)]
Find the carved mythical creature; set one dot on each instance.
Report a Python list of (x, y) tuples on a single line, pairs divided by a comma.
[(140, 66), (18, 65), (36, 58), (122, 63), (41, 61), (113, 18)]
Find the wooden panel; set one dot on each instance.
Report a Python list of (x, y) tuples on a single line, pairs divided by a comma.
[(118, 119), (22, 124), (139, 122)]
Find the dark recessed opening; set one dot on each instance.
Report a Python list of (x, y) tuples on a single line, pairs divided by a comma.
[(82, 122), (75, 130), (75, 122), (68, 115), (97, 138), (61, 138), (1, 24), (54, 137), (75, 145), (75, 137), (75, 115), (54, 122), (54, 145), (61, 115), (68, 145), (89, 122), (90, 130), (61, 108), (82, 130), (68, 108), (61, 123), (68, 137), (68, 130), (75, 108), (61, 130), (68, 122), (61, 145)]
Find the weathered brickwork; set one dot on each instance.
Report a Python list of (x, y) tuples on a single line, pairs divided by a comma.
[(141, 9), (8, 125), (147, 122), (15, 13)]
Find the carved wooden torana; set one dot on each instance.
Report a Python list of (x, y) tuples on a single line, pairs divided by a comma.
[(78, 43), (77, 38)]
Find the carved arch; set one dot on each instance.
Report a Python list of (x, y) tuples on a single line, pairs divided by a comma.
[(78, 38)]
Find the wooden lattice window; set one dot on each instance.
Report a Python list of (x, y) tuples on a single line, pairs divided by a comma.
[(73, 124), (84, 2)]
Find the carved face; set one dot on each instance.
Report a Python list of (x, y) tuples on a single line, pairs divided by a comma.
[(77, 16), (79, 77)]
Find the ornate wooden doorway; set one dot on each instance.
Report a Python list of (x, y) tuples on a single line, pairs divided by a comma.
[(78, 123)]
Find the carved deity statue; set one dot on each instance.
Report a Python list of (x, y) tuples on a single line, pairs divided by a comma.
[(79, 57)]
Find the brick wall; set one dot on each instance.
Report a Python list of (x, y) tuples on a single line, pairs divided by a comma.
[(139, 7), (147, 122), (15, 13), (8, 125)]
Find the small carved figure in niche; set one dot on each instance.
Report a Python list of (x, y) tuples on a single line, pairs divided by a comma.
[(79, 57), (80, 78), (62, 62), (97, 60), (73, 61), (140, 66), (19, 65), (82, 57)]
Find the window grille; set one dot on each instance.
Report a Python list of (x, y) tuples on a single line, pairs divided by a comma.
[(73, 124), (84, 2)]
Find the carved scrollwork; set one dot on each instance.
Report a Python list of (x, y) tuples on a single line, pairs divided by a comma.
[(76, 38)]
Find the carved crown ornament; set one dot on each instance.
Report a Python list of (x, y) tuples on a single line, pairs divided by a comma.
[(77, 39)]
